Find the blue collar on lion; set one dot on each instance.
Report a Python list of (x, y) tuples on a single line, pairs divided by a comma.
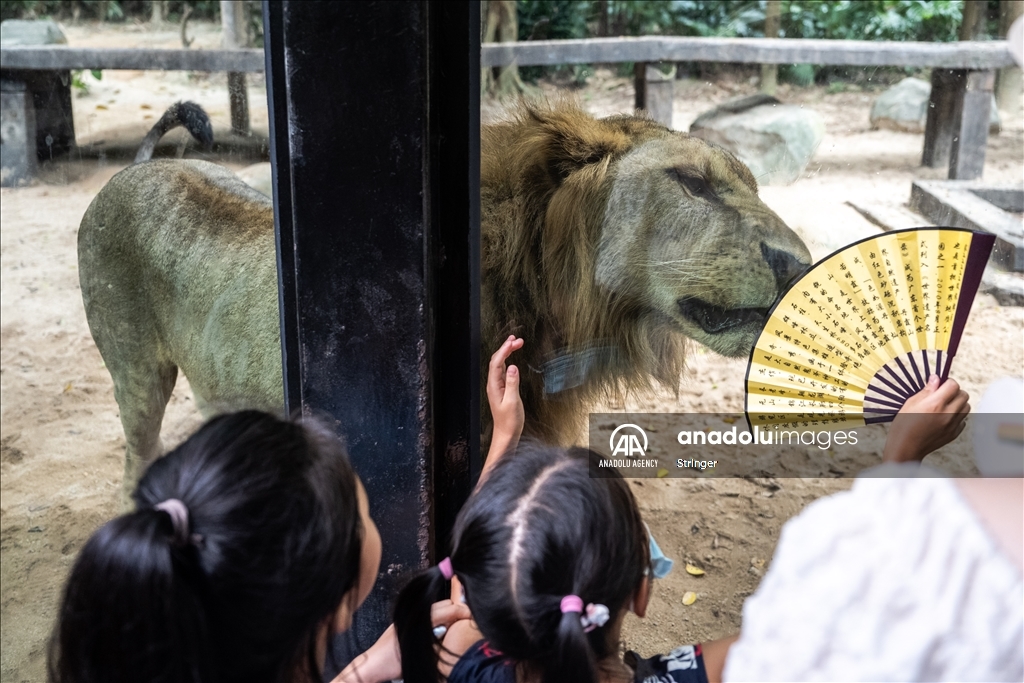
[(565, 369), (660, 565)]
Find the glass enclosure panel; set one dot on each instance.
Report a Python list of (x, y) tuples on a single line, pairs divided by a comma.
[(638, 263), (63, 442)]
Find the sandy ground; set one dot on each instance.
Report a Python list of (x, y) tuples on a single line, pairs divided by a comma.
[(62, 445)]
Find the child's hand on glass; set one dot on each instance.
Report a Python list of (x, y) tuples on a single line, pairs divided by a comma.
[(504, 400)]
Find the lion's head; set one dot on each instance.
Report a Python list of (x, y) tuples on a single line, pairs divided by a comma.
[(622, 232), (684, 231)]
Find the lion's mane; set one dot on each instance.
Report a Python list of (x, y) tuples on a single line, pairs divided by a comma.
[(546, 176)]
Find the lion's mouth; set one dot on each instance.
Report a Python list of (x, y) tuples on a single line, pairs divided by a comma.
[(715, 319)]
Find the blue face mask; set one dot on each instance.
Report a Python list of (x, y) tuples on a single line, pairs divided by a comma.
[(660, 565)]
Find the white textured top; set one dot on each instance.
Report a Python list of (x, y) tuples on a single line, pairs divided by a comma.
[(894, 580)]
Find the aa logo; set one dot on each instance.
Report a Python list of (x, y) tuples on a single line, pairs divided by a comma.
[(628, 440)]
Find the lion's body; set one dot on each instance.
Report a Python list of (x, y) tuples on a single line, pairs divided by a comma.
[(597, 247), (176, 262)]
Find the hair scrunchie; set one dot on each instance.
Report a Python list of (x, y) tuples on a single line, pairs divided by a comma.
[(178, 513), (591, 617), (445, 566)]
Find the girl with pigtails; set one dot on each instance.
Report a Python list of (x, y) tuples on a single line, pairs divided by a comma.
[(549, 560)]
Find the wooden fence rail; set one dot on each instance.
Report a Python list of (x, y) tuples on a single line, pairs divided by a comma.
[(993, 54), (956, 132), (57, 58), (961, 55)]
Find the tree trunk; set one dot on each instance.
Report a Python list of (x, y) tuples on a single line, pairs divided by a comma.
[(1008, 86), (772, 21), (488, 34), (502, 26), (973, 25), (602, 18), (157, 12)]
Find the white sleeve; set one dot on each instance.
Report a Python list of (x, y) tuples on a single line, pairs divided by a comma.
[(895, 580)]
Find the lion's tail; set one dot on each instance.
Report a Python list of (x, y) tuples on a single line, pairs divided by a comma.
[(188, 114)]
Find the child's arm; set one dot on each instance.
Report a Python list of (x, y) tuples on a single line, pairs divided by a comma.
[(714, 654), (506, 404), (929, 420), (383, 661), (507, 413)]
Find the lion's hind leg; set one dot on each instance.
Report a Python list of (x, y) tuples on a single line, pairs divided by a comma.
[(142, 391)]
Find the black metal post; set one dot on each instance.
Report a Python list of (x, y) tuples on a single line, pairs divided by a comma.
[(374, 112)]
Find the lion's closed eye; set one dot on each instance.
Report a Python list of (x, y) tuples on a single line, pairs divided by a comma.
[(695, 185)]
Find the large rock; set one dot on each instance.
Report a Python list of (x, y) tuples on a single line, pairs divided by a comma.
[(775, 140), (15, 32), (904, 107)]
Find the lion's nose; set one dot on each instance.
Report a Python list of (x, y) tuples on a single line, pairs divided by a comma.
[(785, 266)]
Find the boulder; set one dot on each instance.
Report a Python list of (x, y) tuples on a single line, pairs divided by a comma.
[(775, 140), (15, 32), (904, 107)]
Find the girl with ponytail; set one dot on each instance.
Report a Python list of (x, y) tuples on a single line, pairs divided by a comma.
[(251, 543)]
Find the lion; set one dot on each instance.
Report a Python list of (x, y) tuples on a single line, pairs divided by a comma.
[(610, 244), (607, 244)]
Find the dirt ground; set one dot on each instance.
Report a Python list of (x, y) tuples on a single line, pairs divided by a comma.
[(62, 445)]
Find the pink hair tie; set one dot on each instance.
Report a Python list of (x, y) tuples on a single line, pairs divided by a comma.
[(445, 566), (594, 616), (572, 603), (179, 521)]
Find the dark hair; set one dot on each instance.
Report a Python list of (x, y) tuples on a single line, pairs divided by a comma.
[(276, 545), (539, 528)]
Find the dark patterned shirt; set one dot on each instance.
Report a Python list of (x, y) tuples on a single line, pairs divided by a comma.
[(483, 664)]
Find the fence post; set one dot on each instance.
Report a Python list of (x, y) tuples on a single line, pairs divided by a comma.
[(640, 85), (659, 88), (770, 72), (967, 151), (232, 19), (947, 88), (654, 90), (1008, 87)]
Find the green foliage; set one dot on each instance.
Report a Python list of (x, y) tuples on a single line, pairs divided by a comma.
[(926, 20), (900, 20), (140, 10), (797, 74), (25, 9), (78, 84), (552, 19), (719, 18), (115, 10)]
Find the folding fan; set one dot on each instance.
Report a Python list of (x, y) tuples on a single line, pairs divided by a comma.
[(861, 331)]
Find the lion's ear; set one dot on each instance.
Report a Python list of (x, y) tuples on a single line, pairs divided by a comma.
[(575, 139)]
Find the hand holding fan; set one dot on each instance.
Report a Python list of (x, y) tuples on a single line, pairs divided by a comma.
[(861, 331)]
